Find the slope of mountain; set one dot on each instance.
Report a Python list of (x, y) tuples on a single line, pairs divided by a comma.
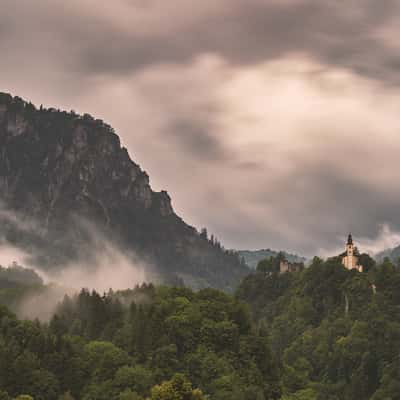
[(65, 180), (253, 257), (393, 254)]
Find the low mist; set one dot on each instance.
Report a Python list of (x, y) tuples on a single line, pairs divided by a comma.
[(110, 268), (102, 266), (9, 254)]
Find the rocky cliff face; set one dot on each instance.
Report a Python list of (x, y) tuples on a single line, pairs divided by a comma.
[(58, 169)]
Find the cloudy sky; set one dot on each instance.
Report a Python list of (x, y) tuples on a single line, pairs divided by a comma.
[(275, 123)]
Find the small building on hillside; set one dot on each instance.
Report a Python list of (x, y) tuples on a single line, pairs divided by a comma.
[(286, 266), (350, 258)]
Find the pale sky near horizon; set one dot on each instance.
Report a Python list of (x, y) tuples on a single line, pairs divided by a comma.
[(274, 123)]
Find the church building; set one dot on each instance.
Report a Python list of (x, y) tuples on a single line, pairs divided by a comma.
[(350, 258)]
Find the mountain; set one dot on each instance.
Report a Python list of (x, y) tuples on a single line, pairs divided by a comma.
[(66, 182), (392, 253), (253, 257)]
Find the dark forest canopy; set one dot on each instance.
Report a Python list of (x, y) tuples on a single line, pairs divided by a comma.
[(323, 333)]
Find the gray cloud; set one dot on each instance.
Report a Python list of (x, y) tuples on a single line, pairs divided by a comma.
[(128, 35), (272, 122), (251, 31), (198, 140)]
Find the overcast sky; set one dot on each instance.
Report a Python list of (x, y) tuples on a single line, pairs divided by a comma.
[(275, 123)]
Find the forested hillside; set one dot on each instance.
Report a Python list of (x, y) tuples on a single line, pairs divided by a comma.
[(336, 332), (325, 333)]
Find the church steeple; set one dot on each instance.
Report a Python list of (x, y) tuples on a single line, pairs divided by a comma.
[(350, 239)]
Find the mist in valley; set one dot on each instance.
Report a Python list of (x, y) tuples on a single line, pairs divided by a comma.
[(102, 266)]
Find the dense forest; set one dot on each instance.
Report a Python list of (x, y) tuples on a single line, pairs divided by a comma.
[(323, 333)]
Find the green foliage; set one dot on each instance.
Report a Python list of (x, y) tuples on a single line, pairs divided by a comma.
[(366, 261), (268, 265), (4, 395), (129, 395), (137, 378), (390, 387), (121, 345), (178, 388), (304, 394), (66, 396)]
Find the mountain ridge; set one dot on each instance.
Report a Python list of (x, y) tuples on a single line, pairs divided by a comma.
[(393, 253), (253, 257)]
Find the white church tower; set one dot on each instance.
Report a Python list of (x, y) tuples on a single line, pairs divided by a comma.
[(350, 258)]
